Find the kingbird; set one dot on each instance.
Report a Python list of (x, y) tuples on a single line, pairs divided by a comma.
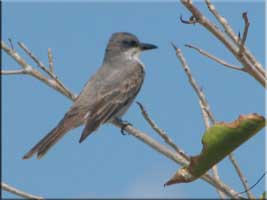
[(107, 95)]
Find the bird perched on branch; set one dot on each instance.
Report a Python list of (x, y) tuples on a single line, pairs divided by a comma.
[(107, 95)]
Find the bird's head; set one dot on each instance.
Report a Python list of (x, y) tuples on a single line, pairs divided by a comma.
[(126, 43)]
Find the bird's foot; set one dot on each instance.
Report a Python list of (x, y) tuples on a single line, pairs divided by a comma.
[(124, 125)]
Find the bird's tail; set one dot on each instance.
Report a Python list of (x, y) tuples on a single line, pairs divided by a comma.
[(48, 141)]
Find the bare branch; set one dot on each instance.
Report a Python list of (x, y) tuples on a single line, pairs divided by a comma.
[(202, 98), (245, 33), (161, 132), (207, 114), (18, 192), (11, 44), (45, 69), (218, 60), (207, 125), (193, 83), (245, 60), (236, 39), (13, 72), (176, 158), (250, 64), (35, 59), (216, 175), (241, 176), (35, 73), (262, 176), (50, 60)]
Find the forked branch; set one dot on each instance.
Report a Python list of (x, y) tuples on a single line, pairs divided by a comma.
[(204, 106), (250, 64)]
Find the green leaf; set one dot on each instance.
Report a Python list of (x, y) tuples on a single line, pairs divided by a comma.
[(218, 141)]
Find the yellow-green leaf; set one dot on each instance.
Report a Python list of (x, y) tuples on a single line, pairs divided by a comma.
[(218, 141)]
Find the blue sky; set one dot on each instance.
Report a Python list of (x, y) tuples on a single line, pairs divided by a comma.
[(108, 164)]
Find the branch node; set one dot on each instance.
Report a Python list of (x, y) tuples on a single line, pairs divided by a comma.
[(174, 47)]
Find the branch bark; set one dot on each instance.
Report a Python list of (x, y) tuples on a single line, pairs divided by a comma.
[(207, 125), (231, 34), (161, 132), (218, 60), (18, 192), (250, 66), (206, 107), (35, 73)]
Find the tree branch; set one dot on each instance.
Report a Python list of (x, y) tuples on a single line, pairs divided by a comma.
[(242, 177), (231, 34), (161, 132), (44, 68), (245, 33), (205, 105), (50, 60), (207, 125), (33, 72), (218, 60), (245, 60), (13, 72), (176, 158), (18, 192), (193, 83)]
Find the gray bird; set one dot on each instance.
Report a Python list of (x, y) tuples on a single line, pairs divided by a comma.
[(107, 95)]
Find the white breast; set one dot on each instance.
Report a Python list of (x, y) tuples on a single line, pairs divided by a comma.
[(133, 55)]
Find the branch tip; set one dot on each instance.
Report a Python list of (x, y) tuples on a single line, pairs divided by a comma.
[(11, 44), (174, 47)]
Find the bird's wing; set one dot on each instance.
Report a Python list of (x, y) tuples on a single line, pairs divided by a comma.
[(111, 101)]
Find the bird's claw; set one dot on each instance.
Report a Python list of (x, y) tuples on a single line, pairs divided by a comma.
[(124, 125)]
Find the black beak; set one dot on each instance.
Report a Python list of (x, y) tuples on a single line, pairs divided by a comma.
[(145, 46)]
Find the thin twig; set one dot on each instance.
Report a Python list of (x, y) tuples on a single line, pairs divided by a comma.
[(13, 72), (161, 132), (245, 33), (44, 68), (193, 83), (207, 125), (35, 59), (218, 60), (35, 73), (242, 177), (245, 60), (11, 44), (212, 28), (236, 39), (201, 95), (175, 157), (203, 101), (50, 60), (18, 192)]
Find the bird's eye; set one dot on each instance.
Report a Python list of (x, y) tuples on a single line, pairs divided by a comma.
[(131, 43)]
